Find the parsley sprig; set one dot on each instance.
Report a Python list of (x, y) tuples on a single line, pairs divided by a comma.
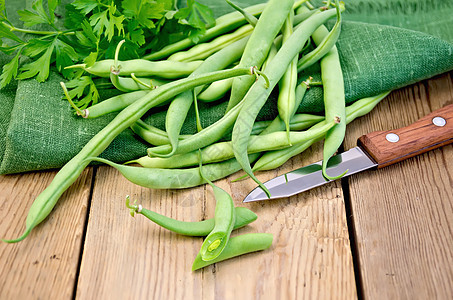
[(90, 32)]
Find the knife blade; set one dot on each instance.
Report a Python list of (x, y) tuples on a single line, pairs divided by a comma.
[(374, 151)]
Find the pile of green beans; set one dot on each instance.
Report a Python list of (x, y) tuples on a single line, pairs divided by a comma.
[(245, 57)]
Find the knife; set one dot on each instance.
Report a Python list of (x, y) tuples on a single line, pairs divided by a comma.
[(374, 151)]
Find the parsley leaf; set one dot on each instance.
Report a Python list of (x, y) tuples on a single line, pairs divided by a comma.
[(9, 71), (5, 32), (83, 86), (198, 16), (65, 56), (38, 15), (106, 21), (30, 18), (39, 68), (85, 6), (93, 29)]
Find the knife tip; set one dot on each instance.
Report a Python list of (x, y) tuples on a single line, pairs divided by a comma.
[(256, 195)]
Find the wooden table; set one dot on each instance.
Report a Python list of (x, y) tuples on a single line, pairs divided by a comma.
[(385, 234)]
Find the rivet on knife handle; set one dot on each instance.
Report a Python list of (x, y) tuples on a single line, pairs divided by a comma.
[(430, 132)]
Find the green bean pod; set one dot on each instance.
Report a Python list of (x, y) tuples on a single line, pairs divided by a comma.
[(258, 93), (298, 122), (224, 150), (155, 136), (142, 67), (286, 101), (155, 178), (274, 159), (259, 44), (201, 139), (113, 104), (334, 97), (224, 219), (215, 90), (203, 50), (179, 107), (44, 203), (128, 84), (238, 245), (251, 19), (327, 43), (244, 216), (151, 134), (223, 25)]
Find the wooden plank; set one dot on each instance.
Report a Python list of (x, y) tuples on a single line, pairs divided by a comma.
[(310, 256), (403, 214), (45, 264)]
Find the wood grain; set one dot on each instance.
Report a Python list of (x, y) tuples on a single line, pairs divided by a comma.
[(45, 264), (127, 258), (403, 214)]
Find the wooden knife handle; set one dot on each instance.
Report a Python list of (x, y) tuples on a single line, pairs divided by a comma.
[(432, 131)]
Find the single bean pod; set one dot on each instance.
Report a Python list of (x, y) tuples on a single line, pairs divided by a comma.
[(203, 50), (113, 104), (251, 19), (129, 84), (286, 101), (173, 178), (224, 24), (151, 134), (274, 159), (215, 90), (142, 67), (238, 245), (244, 216), (334, 97), (224, 219), (258, 94), (119, 102), (44, 203)]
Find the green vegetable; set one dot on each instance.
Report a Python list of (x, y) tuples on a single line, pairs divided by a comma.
[(238, 245), (157, 178), (334, 98), (224, 220), (286, 102), (179, 107), (91, 31), (274, 159), (224, 150), (258, 93), (259, 44), (243, 215), (44, 203)]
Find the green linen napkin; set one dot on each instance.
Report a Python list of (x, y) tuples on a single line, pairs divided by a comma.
[(384, 45)]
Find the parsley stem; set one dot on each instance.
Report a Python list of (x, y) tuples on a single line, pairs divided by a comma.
[(77, 109), (12, 28)]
